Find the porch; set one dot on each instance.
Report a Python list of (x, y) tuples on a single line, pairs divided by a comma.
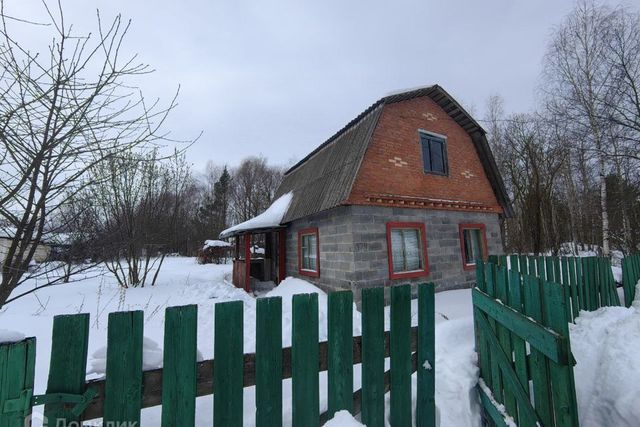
[(259, 256)]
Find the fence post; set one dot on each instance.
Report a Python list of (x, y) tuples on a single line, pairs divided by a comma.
[(68, 366), (179, 366), (425, 399), (228, 364), (400, 411), (17, 365), (305, 361), (340, 357), (373, 357)]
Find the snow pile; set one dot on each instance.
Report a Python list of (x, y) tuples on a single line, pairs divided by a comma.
[(343, 419), (606, 344), (292, 286), (215, 244), (456, 373), (151, 358), (269, 218), (7, 336)]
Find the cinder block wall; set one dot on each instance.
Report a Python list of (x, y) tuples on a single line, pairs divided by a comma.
[(353, 246)]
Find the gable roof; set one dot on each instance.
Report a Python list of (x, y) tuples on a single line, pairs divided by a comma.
[(323, 179)]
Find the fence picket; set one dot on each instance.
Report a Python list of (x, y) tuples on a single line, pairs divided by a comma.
[(179, 363), (425, 400), (268, 362), (575, 297), (496, 376), (519, 346), (227, 369), (304, 361), (400, 411), (123, 388), (68, 364), (504, 337), (340, 331), (533, 304), (373, 357), (17, 368), (562, 382)]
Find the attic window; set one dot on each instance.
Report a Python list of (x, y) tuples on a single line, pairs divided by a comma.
[(434, 153)]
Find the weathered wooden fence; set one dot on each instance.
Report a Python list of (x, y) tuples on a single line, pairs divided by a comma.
[(522, 340), (587, 282), (630, 277), (127, 388)]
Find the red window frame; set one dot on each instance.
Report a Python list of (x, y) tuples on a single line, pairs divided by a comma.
[(423, 241), (483, 230), (307, 232)]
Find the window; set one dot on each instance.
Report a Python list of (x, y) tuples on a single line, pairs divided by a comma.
[(407, 250), (473, 243), (308, 252), (434, 154)]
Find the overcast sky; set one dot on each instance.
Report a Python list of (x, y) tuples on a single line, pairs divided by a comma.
[(279, 78)]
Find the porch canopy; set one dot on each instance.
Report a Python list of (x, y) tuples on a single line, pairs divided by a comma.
[(265, 228)]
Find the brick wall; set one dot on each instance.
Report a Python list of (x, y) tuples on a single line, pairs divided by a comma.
[(353, 246), (393, 164)]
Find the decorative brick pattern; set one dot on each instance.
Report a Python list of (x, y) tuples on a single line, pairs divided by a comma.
[(397, 161)]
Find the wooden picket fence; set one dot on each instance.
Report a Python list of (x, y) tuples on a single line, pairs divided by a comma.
[(630, 277), (126, 389), (587, 282), (522, 340)]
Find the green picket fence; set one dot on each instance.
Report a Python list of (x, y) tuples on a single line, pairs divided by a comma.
[(630, 277), (126, 389), (587, 282), (524, 353)]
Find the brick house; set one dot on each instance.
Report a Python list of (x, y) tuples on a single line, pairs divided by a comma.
[(408, 191)]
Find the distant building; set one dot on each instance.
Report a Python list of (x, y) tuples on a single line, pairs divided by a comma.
[(406, 192)]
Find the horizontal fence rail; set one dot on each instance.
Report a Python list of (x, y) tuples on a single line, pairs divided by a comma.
[(126, 388), (524, 353)]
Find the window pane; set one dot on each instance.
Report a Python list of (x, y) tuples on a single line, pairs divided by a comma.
[(397, 251), (437, 156), (412, 249), (309, 252), (426, 156), (472, 245), (312, 252), (406, 252)]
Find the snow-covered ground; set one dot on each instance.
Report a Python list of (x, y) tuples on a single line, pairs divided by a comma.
[(605, 374)]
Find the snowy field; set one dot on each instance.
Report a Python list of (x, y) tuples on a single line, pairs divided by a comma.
[(605, 374)]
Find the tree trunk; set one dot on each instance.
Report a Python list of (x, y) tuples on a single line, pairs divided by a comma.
[(603, 206)]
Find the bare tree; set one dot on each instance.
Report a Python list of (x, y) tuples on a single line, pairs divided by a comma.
[(62, 113), (580, 86), (254, 185)]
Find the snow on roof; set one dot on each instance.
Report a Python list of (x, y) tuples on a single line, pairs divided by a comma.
[(215, 244), (267, 219)]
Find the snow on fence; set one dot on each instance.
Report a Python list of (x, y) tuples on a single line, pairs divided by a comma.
[(522, 340), (126, 389), (630, 277)]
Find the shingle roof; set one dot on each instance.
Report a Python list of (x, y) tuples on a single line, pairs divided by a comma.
[(324, 178)]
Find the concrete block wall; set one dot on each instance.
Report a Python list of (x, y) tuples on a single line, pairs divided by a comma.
[(353, 246)]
